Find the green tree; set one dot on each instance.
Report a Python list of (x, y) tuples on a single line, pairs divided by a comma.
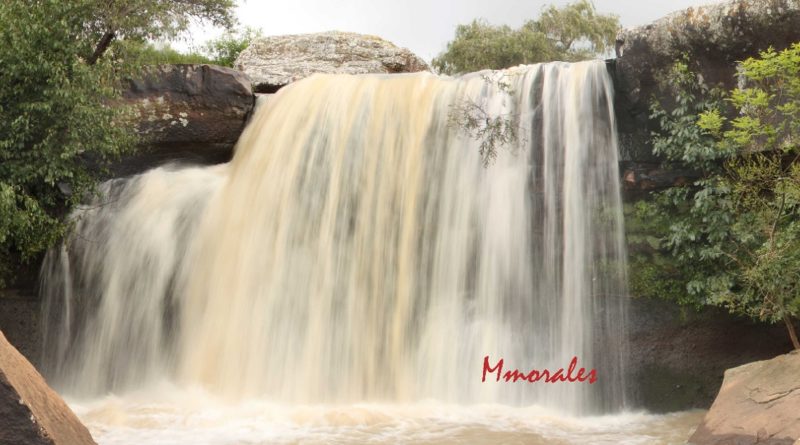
[(225, 49), (60, 122), (147, 53), (733, 237), (140, 20), (221, 51), (573, 32)]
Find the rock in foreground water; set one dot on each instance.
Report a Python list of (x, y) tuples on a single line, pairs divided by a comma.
[(31, 413), (273, 62), (759, 403)]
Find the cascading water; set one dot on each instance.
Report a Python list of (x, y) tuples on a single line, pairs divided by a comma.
[(356, 249)]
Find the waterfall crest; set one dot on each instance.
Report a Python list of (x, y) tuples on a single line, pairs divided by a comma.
[(356, 248)]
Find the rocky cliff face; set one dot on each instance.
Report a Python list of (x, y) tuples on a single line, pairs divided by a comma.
[(715, 38), (273, 62), (191, 113), (679, 356)]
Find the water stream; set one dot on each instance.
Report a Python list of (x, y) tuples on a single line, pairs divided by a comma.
[(345, 276)]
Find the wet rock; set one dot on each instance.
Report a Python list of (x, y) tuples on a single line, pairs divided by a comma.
[(679, 356), (19, 321), (31, 413), (759, 403), (191, 113), (640, 178), (273, 62)]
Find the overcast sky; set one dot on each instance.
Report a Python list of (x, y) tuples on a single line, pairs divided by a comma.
[(424, 26)]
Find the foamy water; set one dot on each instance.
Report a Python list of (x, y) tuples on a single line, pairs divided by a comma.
[(356, 260), (357, 249), (172, 417)]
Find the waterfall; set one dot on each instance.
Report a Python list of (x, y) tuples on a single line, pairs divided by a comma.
[(358, 248)]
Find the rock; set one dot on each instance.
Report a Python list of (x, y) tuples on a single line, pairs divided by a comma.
[(19, 321), (713, 37), (646, 177), (30, 412), (758, 403), (273, 62), (679, 356), (188, 112)]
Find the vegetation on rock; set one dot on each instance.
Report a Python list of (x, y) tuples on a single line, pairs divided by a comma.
[(571, 33), (731, 238), (63, 66), (221, 51)]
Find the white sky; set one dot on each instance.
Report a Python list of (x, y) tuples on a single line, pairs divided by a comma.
[(423, 26)]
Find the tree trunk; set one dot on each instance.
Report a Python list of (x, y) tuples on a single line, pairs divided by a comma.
[(792, 331), (102, 46)]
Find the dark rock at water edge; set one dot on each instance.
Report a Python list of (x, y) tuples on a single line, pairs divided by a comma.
[(19, 320), (188, 113), (31, 413), (678, 356)]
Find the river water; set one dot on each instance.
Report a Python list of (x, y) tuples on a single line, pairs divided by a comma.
[(196, 418)]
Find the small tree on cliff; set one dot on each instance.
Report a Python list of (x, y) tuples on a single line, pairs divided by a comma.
[(62, 66), (139, 20), (571, 33), (734, 236)]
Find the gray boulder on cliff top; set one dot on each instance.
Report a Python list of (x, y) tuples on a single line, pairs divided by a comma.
[(30, 412), (759, 403), (272, 62)]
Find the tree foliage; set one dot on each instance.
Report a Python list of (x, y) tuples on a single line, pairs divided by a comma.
[(225, 49), (147, 53), (573, 32), (60, 122), (492, 131), (140, 20), (733, 237), (221, 51)]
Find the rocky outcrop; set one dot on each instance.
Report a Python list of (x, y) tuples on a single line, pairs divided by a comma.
[(759, 403), (273, 62), (193, 113), (713, 37), (31, 413)]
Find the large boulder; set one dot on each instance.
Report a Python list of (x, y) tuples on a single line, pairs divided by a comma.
[(714, 38), (273, 62), (188, 112), (30, 412), (759, 403)]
